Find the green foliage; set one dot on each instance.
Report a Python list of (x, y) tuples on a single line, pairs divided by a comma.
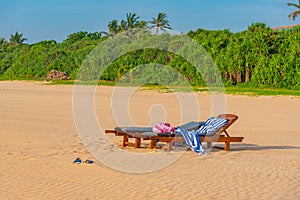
[(17, 39), (132, 21), (256, 57), (259, 56), (37, 60)]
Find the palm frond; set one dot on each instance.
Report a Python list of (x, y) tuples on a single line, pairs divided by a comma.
[(293, 15), (294, 5)]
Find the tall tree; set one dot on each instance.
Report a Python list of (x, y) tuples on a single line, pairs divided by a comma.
[(160, 22), (293, 15), (113, 27), (123, 25), (2, 40), (17, 38), (142, 24), (132, 20)]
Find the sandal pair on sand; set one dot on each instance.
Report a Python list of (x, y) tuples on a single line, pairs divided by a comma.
[(78, 161)]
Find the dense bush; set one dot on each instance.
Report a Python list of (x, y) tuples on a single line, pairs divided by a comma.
[(258, 56)]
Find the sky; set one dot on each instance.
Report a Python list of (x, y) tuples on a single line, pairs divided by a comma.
[(55, 19)]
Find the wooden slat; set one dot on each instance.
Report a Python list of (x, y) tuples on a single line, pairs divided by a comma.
[(209, 140), (110, 131)]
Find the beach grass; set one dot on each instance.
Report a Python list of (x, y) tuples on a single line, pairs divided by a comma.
[(262, 91), (235, 90), (249, 91)]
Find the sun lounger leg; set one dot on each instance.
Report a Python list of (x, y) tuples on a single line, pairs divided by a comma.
[(170, 145), (209, 145), (152, 144), (227, 146), (125, 140), (137, 143)]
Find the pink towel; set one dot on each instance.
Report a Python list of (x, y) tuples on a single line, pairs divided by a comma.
[(163, 127)]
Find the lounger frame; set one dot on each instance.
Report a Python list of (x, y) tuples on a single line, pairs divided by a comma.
[(221, 136)]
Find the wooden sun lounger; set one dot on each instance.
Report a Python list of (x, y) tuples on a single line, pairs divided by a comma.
[(138, 136), (221, 136)]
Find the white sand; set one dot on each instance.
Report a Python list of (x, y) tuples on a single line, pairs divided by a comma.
[(39, 142)]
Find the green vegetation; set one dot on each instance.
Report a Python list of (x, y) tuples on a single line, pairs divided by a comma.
[(258, 57), (17, 39), (72, 82), (262, 91), (37, 60), (132, 21)]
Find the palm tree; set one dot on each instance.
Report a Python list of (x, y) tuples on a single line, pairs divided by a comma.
[(123, 25), (142, 24), (160, 22), (2, 40), (113, 28), (132, 20), (293, 15), (17, 39)]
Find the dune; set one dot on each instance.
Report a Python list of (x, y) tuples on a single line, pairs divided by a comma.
[(39, 141)]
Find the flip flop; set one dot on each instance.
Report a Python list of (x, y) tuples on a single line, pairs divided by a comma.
[(77, 160), (89, 161)]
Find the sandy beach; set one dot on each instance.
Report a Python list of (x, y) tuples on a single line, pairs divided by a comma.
[(39, 142)]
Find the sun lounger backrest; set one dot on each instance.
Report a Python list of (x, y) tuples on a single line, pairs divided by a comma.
[(231, 119), (191, 126), (212, 126)]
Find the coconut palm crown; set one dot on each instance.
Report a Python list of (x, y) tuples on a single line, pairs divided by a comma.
[(293, 15), (17, 39), (160, 22)]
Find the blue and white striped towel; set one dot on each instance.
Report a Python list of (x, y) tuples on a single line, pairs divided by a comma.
[(211, 126), (192, 139)]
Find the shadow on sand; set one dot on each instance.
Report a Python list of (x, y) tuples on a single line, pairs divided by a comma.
[(254, 147)]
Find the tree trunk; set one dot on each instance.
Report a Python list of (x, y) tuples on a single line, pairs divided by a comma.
[(130, 76), (230, 77), (119, 74), (239, 77), (247, 75)]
